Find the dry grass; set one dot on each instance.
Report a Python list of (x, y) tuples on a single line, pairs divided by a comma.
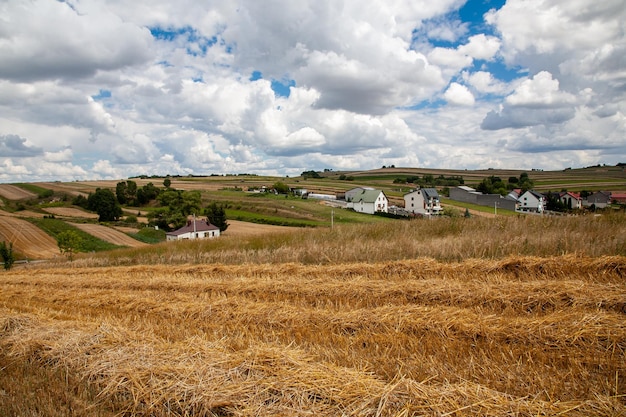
[(445, 239), (520, 336)]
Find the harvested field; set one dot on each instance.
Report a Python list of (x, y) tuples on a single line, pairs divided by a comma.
[(521, 336), (109, 234), (28, 240), (12, 192), (239, 228), (70, 212)]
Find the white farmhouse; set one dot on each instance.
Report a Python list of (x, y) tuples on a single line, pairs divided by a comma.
[(194, 229), (370, 202), (532, 201), (423, 201)]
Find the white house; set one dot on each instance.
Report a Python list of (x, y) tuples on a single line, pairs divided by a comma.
[(350, 194), (423, 201), (370, 202), (194, 229), (571, 200), (532, 201)]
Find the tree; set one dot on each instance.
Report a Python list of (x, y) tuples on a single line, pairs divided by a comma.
[(69, 243), (216, 215), (6, 253), (126, 192), (281, 187), (167, 182), (104, 202), (147, 193)]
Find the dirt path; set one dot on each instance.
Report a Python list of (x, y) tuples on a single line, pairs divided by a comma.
[(109, 234), (27, 238)]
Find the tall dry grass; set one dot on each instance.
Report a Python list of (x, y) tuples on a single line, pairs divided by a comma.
[(522, 336), (445, 239)]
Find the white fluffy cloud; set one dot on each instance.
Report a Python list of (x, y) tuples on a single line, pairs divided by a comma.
[(459, 95), (94, 88)]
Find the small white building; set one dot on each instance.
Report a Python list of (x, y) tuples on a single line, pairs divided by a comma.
[(532, 201), (571, 200), (194, 229), (370, 202), (350, 194), (423, 201)]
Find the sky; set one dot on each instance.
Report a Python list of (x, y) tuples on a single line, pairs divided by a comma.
[(95, 89)]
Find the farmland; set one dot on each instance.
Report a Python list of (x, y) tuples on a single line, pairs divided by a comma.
[(495, 316), (523, 336)]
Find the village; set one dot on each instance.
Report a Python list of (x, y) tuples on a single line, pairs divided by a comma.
[(426, 202)]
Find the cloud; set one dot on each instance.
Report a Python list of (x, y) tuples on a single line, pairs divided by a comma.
[(541, 91), (187, 87), (15, 146), (459, 95), (535, 101), (47, 40)]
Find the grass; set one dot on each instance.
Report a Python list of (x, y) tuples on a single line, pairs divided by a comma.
[(443, 239), (35, 189), (149, 235), (89, 243)]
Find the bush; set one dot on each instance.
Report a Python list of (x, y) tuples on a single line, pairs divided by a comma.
[(6, 253)]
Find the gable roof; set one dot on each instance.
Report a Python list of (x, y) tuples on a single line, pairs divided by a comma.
[(430, 193), (368, 196), (201, 226)]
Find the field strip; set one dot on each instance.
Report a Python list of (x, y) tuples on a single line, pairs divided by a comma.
[(109, 234), (12, 192), (70, 212), (27, 238)]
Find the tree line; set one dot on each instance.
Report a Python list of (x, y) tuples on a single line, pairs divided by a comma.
[(173, 206)]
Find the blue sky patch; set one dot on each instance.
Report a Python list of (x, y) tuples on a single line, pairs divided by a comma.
[(102, 94), (282, 88)]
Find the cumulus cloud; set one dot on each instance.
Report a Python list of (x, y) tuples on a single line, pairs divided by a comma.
[(459, 95), (153, 87), (15, 146), (43, 40), (535, 101)]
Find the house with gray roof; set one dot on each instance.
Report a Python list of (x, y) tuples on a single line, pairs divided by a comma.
[(424, 201), (370, 202), (194, 229), (532, 202)]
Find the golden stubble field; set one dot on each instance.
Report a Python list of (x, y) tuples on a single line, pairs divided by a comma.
[(523, 336)]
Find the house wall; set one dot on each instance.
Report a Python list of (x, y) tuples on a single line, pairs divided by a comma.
[(491, 199), (458, 194)]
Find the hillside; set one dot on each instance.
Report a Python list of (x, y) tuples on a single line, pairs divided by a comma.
[(34, 201)]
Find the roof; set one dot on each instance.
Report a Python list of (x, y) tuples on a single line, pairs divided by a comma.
[(571, 194), (466, 188), (368, 196), (430, 193), (201, 226)]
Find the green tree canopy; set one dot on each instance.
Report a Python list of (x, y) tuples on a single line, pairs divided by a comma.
[(69, 243), (126, 192), (216, 215), (6, 253), (280, 187), (104, 202)]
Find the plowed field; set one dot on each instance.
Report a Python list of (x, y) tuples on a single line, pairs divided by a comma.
[(11, 192), (28, 239), (110, 235)]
